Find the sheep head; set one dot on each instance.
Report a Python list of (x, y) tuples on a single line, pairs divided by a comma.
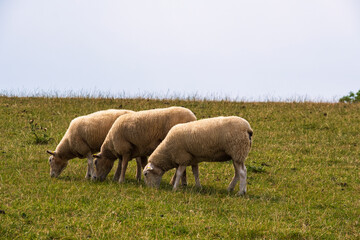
[(103, 165), (152, 175), (57, 164)]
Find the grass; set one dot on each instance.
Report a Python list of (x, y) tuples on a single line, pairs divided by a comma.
[(303, 178)]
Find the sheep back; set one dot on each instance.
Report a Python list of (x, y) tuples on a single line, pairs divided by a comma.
[(212, 140), (139, 133), (87, 133)]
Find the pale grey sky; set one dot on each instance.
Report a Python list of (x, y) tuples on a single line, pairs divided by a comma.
[(254, 49)]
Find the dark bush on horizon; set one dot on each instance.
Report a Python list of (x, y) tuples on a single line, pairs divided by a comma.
[(351, 98)]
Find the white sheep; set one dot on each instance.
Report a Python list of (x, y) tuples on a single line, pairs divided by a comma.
[(212, 140), (137, 135), (84, 137)]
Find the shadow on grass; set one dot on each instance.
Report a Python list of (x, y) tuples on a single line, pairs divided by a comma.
[(107, 181), (167, 187), (222, 192), (205, 190), (71, 178)]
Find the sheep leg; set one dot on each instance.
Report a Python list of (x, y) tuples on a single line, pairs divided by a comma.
[(236, 177), (183, 179), (179, 172), (138, 169), (143, 161), (172, 181), (118, 171), (125, 160), (243, 175), (90, 166), (195, 170), (140, 164)]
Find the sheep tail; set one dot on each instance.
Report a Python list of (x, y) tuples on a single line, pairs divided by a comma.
[(250, 132)]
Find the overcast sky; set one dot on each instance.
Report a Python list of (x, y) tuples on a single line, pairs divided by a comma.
[(254, 49)]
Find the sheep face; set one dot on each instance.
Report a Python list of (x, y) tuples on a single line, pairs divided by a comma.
[(103, 166), (57, 164), (152, 175)]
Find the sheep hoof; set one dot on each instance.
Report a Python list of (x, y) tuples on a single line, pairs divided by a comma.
[(230, 190), (241, 193)]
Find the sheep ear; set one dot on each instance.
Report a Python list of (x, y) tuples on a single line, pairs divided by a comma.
[(51, 152), (97, 155), (149, 167)]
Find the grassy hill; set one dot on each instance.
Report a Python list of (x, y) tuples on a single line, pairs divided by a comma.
[(303, 177)]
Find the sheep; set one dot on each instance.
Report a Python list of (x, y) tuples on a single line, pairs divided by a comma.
[(212, 140), (84, 137), (137, 135)]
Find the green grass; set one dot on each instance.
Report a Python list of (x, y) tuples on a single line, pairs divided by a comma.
[(303, 178)]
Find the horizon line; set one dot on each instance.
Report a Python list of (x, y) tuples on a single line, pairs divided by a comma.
[(194, 96)]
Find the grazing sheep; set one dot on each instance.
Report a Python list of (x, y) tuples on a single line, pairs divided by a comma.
[(84, 137), (211, 140), (137, 135)]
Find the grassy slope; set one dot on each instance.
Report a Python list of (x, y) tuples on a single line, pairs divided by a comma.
[(303, 176)]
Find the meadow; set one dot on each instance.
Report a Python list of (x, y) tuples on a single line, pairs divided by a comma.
[(303, 177)]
